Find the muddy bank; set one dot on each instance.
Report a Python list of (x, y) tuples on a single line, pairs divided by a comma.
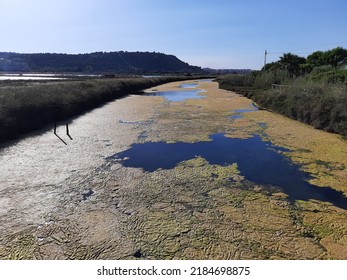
[(72, 202)]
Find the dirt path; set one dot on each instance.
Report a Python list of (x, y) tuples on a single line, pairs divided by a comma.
[(70, 202)]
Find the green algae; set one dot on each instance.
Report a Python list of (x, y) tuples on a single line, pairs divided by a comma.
[(196, 215)]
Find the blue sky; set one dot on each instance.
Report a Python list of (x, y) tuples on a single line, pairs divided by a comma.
[(214, 33)]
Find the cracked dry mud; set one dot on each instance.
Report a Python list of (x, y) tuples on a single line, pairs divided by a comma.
[(70, 202)]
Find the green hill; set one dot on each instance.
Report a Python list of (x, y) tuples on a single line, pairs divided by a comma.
[(98, 62)]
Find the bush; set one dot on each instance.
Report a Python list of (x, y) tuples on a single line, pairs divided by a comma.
[(335, 76)]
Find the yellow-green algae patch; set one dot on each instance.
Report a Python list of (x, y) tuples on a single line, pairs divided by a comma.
[(328, 225), (196, 119), (203, 211), (194, 211), (22, 247)]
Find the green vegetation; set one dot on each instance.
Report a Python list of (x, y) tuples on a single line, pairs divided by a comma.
[(312, 90), (26, 106)]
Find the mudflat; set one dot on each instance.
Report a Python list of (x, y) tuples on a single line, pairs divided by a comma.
[(76, 201)]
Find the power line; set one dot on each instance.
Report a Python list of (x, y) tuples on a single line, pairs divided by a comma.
[(307, 48), (325, 45), (286, 52)]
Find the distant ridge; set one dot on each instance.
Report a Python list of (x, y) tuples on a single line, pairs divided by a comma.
[(97, 62)]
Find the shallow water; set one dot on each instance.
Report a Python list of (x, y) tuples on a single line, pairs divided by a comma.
[(179, 95), (252, 108), (258, 160), (21, 78), (206, 80), (188, 85), (43, 76), (239, 113), (236, 116)]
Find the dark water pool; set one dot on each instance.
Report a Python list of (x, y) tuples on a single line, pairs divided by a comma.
[(259, 161), (179, 95)]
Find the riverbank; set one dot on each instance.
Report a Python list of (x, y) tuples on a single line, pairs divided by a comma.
[(29, 105), (321, 105)]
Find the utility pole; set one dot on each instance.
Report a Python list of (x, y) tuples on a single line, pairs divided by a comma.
[(265, 58)]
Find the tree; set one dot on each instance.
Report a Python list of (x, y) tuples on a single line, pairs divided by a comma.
[(317, 59), (331, 57), (336, 55), (292, 63)]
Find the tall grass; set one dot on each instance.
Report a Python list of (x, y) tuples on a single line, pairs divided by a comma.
[(26, 106)]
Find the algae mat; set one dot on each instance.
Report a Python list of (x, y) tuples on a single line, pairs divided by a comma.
[(72, 203)]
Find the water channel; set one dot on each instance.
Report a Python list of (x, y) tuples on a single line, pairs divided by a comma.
[(116, 175)]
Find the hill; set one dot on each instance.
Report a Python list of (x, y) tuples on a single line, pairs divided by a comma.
[(98, 62)]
